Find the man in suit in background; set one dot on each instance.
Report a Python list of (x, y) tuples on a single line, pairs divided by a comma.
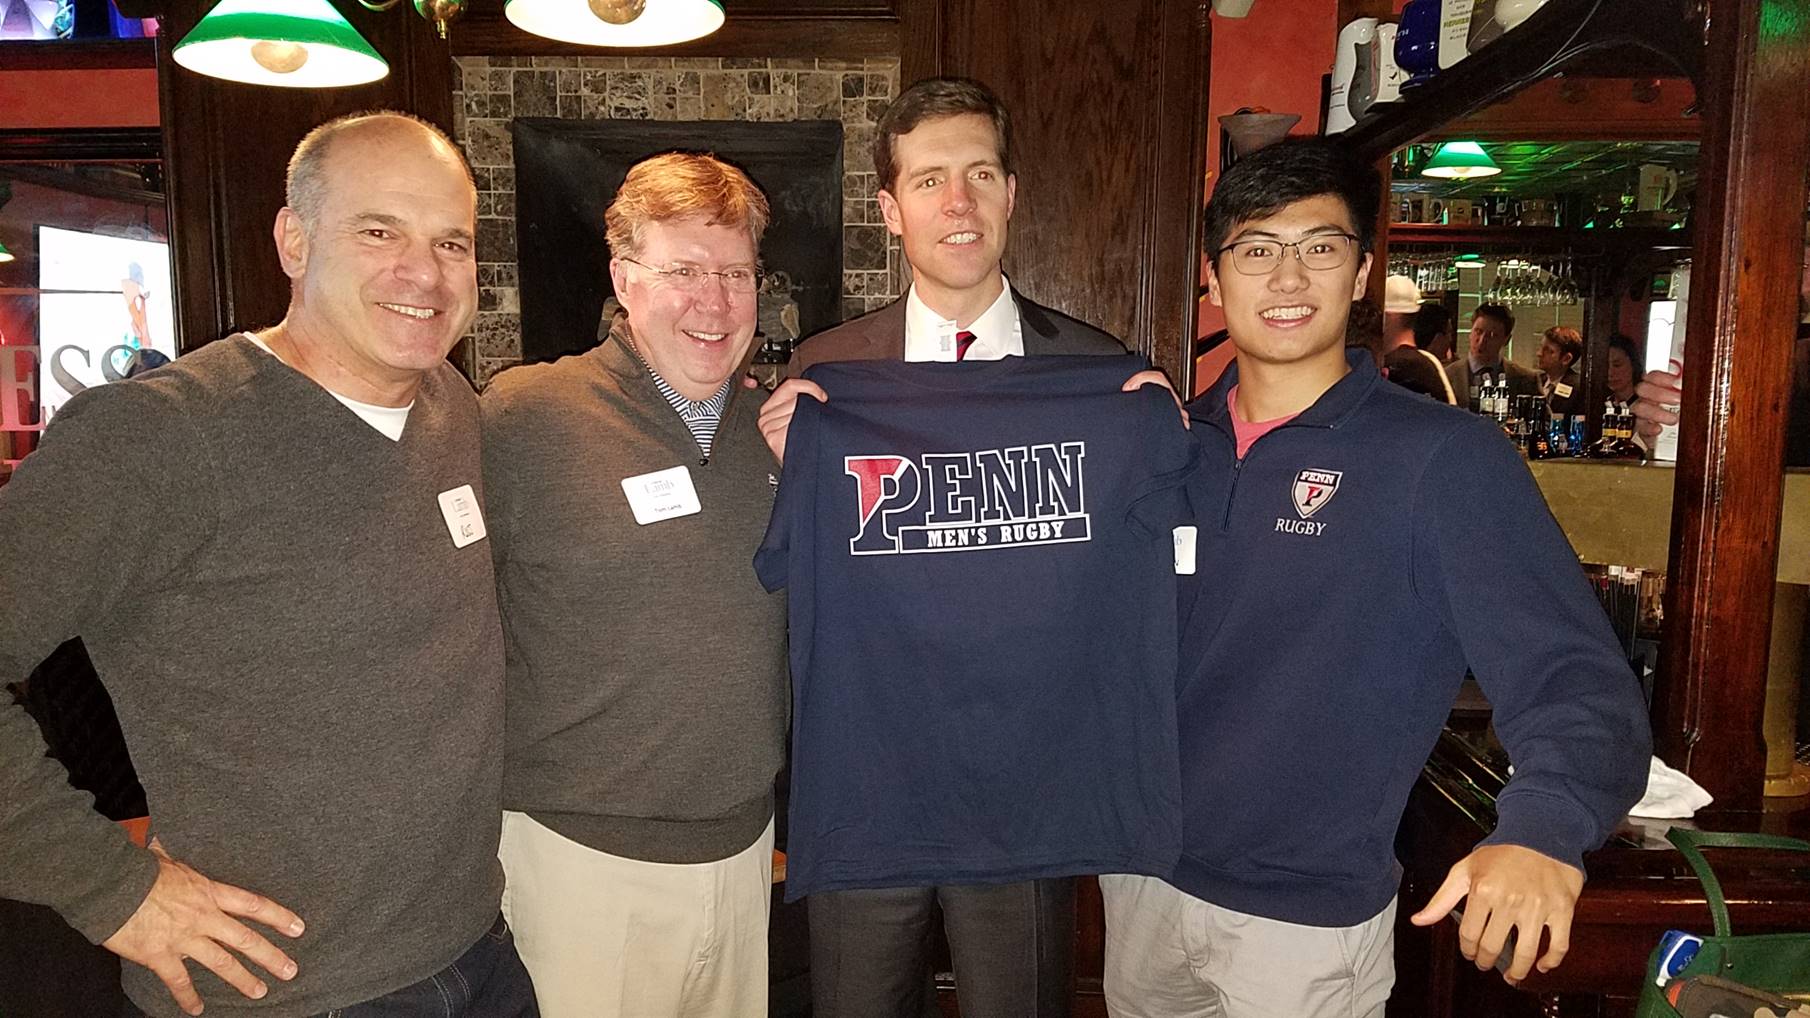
[(1492, 325), (943, 155), (1560, 349)]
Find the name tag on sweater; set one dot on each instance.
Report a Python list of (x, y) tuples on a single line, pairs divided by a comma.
[(1184, 550), (464, 517), (1561, 390), (661, 495)]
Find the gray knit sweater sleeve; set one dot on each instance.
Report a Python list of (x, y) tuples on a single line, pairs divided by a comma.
[(88, 523)]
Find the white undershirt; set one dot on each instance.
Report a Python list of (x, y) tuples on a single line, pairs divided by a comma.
[(931, 337), (388, 420)]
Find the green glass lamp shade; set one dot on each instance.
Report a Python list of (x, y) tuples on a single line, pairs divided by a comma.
[(617, 22), (5, 255), (1460, 160), (292, 43)]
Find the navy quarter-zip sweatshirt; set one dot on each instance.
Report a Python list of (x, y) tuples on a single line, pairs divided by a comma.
[(1354, 564)]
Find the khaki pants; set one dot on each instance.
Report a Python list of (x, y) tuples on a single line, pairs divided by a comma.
[(608, 937), (1171, 955)]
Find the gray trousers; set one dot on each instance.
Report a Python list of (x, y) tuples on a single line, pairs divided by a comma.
[(1013, 947)]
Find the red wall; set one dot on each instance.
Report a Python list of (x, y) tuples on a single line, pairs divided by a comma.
[(1274, 58), (113, 98)]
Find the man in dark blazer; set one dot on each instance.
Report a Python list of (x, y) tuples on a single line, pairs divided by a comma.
[(1561, 347), (880, 335), (943, 155), (1492, 326)]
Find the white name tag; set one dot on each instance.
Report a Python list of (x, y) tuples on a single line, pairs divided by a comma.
[(1184, 551), (1561, 390), (464, 517), (661, 495)]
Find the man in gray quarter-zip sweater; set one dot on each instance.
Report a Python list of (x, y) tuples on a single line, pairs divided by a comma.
[(628, 488), (292, 605)]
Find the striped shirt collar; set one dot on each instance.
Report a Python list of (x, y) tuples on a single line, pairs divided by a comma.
[(700, 416)]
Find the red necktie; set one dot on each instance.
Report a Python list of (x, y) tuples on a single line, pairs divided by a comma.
[(963, 340)]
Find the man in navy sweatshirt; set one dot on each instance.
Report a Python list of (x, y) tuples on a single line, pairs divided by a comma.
[(1344, 590)]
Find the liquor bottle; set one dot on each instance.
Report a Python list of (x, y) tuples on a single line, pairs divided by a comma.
[(1613, 445), (1624, 432), (1476, 395), (1574, 437), (1538, 429), (1558, 438)]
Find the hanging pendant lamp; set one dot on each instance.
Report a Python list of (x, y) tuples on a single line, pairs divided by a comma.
[(291, 43), (636, 23), (5, 255), (1460, 160)]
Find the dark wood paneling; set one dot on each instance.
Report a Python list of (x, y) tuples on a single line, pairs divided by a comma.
[(1741, 327), (846, 35), (227, 145), (1108, 105), (920, 39), (81, 145), (79, 55)]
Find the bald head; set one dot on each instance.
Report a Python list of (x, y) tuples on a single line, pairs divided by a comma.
[(305, 187)]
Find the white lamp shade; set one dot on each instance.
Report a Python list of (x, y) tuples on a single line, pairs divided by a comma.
[(662, 23), (289, 43)]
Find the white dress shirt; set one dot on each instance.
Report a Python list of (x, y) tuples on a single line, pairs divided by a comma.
[(931, 337)]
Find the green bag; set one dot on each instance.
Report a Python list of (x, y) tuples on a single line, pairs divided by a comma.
[(1779, 962)]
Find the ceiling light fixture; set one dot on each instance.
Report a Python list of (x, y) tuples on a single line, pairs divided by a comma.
[(1460, 160), (290, 43), (637, 23)]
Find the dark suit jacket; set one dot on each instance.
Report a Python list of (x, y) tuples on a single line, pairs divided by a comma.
[(1572, 404), (1522, 380), (880, 335)]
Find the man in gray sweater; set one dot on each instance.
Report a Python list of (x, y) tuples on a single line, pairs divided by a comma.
[(293, 608), (628, 488)]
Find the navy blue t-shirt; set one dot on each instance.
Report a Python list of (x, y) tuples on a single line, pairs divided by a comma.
[(981, 571)]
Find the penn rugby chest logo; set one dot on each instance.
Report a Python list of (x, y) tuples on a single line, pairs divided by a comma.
[(969, 501), (1313, 489)]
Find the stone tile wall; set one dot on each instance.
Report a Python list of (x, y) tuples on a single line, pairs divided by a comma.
[(489, 91)]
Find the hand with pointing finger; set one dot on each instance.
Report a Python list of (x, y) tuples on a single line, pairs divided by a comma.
[(1509, 889)]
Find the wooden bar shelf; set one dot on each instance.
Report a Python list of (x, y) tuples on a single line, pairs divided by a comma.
[(79, 55), (1564, 34), (1541, 237)]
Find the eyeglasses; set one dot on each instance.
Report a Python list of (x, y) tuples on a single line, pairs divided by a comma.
[(691, 279), (1318, 253)]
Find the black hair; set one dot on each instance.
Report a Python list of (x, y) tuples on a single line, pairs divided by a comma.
[(1365, 328), (1626, 345), (1294, 169), (1499, 312), (1430, 321)]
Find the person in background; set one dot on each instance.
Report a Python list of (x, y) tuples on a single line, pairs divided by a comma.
[(1433, 331), (646, 666), (1624, 366), (1560, 349), (294, 610), (1492, 326), (1660, 392), (1347, 513), (1404, 362), (1364, 329)]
